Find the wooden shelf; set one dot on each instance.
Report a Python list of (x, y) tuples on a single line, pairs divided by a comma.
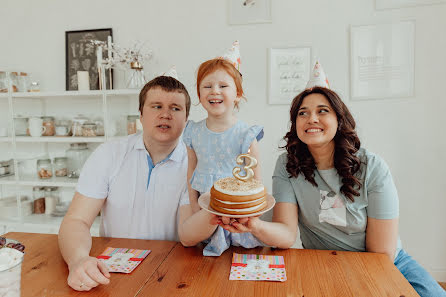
[(67, 139), (97, 94), (50, 182)]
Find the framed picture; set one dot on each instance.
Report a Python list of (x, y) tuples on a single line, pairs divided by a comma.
[(244, 12), (289, 71), (382, 61), (80, 55), (391, 4)]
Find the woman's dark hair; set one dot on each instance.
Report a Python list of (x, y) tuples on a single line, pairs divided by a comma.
[(346, 141)]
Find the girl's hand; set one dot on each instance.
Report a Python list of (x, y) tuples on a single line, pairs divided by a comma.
[(241, 225)]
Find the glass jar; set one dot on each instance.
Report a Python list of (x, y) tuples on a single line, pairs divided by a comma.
[(76, 127), (3, 82), (4, 170), (99, 127), (48, 123), (89, 129), (44, 168), (38, 200), (34, 86), (20, 125), (51, 199), (77, 154), (62, 128), (23, 82), (131, 124), (60, 166), (13, 78)]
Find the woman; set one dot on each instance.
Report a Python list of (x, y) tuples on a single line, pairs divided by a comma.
[(340, 195)]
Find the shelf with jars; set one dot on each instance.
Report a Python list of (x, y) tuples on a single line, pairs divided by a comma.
[(49, 136)]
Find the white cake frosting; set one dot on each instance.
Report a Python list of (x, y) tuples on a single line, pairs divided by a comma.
[(261, 205), (235, 187), (246, 202)]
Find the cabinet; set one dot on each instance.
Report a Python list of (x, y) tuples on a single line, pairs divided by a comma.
[(111, 106)]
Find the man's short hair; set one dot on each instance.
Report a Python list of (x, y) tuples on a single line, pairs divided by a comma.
[(165, 83)]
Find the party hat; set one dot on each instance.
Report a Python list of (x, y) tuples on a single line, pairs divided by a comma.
[(318, 77), (233, 55), (172, 72)]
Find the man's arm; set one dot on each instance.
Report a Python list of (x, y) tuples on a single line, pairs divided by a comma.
[(191, 165), (85, 272), (195, 227)]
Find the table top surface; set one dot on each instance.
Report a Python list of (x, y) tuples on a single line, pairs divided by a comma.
[(173, 270)]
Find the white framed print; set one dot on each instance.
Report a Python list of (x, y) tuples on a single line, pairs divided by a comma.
[(244, 12), (382, 60), (289, 71), (391, 4)]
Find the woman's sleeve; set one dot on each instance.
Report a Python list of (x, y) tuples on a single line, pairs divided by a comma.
[(382, 195), (282, 188)]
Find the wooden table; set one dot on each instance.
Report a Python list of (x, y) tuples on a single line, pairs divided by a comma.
[(172, 270)]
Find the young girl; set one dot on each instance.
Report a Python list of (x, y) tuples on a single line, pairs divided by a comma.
[(214, 143)]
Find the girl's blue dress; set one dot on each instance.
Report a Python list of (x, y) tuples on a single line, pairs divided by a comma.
[(216, 153)]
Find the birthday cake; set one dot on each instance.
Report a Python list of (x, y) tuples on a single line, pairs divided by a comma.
[(232, 196)]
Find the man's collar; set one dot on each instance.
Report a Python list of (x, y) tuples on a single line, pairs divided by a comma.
[(176, 155)]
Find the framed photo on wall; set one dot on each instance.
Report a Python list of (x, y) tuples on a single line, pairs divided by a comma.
[(382, 61), (289, 71), (392, 4), (80, 55), (244, 12)]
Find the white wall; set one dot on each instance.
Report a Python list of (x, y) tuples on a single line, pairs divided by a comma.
[(406, 132)]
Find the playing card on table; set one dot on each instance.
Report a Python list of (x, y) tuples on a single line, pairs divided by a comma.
[(257, 267), (122, 259)]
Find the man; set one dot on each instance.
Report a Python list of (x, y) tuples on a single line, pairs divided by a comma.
[(138, 182)]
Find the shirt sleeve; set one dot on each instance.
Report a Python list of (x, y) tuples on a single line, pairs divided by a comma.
[(282, 188), (382, 196), (254, 132), (184, 199), (187, 134), (95, 175)]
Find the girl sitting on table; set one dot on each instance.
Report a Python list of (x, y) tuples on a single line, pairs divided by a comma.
[(341, 196)]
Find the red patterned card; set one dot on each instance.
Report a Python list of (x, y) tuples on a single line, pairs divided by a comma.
[(122, 259)]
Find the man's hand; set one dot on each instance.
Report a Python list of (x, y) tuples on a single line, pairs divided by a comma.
[(88, 273)]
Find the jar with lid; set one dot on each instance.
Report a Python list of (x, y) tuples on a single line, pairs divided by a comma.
[(131, 124), (13, 78), (34, 86), (4, 170), (44, 168), (77, 154), (38, 200), (76, 127), (89, 129), (3, 82), (48, 123), (20, 125), (62, 128), (23, 82), (51, 199), (60, 166), (99, 127)]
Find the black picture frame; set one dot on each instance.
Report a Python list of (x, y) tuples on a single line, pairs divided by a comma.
[(80, 55)]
